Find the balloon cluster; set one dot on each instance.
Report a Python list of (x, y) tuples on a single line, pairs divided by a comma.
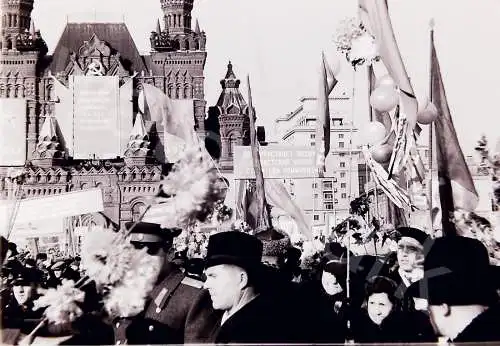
[(383, 99)]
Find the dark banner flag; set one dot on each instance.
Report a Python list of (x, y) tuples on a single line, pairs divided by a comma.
[(456, 188)]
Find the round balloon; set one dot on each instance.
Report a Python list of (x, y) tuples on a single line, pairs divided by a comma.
[(428, 114), (374, 132), (384, 98), (385, 80), (381, 153)]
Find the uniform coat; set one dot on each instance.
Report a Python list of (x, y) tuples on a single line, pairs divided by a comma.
[(177, 311)]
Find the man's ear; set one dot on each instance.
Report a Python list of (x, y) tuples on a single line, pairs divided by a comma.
[(243, 276), (446, 309)]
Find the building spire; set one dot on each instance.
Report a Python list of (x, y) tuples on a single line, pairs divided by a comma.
[(32, 28), (158, 28), (48, 132), (230, 74), (48, 151), (197, 27), (138, 151), (139, 130)]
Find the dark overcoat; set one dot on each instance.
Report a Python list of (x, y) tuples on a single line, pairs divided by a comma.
[(178, 311), (258, 322), (484, 328)]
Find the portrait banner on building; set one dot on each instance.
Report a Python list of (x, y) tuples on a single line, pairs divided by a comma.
[(12, 132), (278, 162), (96, 117)]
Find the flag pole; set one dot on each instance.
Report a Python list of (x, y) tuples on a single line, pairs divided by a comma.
[(431, 125), (263, 217)]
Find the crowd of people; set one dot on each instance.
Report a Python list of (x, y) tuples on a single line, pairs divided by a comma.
[(253, 289)]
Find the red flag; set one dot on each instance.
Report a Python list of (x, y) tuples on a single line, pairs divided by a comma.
[(375, 16), (456, 187), (278, 196), (323, 118)]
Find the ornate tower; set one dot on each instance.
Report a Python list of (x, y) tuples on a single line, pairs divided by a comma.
[(233, 122), (22, 47), (178, 55), (177, 15), (16, 19)]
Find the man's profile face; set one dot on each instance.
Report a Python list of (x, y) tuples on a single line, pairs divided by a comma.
[(440, 322), (410, 254), (225, 284)]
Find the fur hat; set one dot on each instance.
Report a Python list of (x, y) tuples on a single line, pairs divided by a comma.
[(275, 242), (414, 233)]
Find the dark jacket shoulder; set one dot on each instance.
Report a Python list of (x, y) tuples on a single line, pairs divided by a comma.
[(483, 328)]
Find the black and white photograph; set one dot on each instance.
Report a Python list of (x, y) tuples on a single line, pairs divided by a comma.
[(266, 172)]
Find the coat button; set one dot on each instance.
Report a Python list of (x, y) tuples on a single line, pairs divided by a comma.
[(151, 327), (158, 310)]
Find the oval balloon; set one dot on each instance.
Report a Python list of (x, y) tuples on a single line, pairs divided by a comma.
[(374, 132), (428, 114), (385, 80), (384, 98), (381, 153)]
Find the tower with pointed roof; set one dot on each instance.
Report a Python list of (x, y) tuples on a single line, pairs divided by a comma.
[(138, 151), (49, 151), (229, 120)]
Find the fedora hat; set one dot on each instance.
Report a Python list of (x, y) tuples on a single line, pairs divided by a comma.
[(459, 263), (236, 248)]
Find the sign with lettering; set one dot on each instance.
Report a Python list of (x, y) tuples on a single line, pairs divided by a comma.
[(96, 117), (278, 162), (12, 132), (50, 207)]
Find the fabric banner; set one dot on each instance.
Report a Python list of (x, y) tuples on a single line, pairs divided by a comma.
[(96, 120), (32, 210), (457, 190), (126, 114), (64, 113), (13, 132), (174, 120)]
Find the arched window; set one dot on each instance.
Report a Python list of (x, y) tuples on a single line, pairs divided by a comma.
[(230, 144), (137, 210), (187, 92)]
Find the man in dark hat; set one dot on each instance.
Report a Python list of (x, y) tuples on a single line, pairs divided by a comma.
[(410, 256), (460, 286), (233, 270), (178, 311)]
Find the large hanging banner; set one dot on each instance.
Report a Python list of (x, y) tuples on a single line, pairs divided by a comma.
[(12, 131), (96, 117)]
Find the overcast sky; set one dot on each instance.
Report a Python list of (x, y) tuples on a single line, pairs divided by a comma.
[(279, 43)]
